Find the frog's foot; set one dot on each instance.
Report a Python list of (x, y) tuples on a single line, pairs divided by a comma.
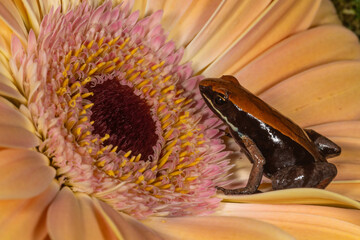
[(315, 175), (238, 191)]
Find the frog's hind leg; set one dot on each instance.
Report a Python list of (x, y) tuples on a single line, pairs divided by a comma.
[(314, 175)]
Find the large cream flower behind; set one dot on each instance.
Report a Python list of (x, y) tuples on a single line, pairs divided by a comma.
[(101, 119)]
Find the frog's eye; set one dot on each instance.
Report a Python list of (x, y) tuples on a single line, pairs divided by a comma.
[(220, 99)]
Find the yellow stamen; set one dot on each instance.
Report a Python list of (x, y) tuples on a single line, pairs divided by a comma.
[(123, 163), (127, 154), (179, 100), (124, 43), (171, 145), (138, 157), (79, 50), (110, 173), (101, 164), (154, 168), (84, 143), (67, 57), (83, 67), (189, 179), (151, 181), (157, 66), (114, 40), (83, 112), (168, 134), (134, 76), (86, 80), (144, 73), (167, 78), (149, 188), (140, 179), (106, 137), (164, 159), (114, 149), (75, 85), (109, 69), (140, 61), (166, 186), (175, 173), (87, 106), (166, 90), (100, 42), (126, 176), (162, 107), (90, 44), (85, 95), (180, 166), (82, 120), (183, 154), (143, 83), (166, 118), (132, 159), (72, 103)]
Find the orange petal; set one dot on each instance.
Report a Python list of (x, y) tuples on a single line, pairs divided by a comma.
[(295, 196), (224, 27), (327, 93), (153, 6), (303, 222), (17, 137), (10, 19), (215, 227), (299, 53), (326, 14), (129, 227), (193, 20), (339, 129), (349, 189), (65, 211), (23, 173), (33, 14), (280, 20), (26, 217), (173, 11)]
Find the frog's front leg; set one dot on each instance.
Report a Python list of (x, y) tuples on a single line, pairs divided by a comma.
[(256, 173)]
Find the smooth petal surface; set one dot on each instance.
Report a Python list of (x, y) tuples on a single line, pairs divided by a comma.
[(65, 211), (17, 137), (349, 188), (326, 14), (129, 227), (281, 19), (23, 173), (327, 93), (299, 53), (303, 222), (25, 218), (210, 227), (10, 19), (339, 129), (295, 196)]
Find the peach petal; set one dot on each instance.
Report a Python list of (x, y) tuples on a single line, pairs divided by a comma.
[(4, 47), (280, 20), (26, 217), (8, 91), (33, 13), (140, 5), (347, 171), (129, 227), (12, 116), (295, 196), (17, 137), (327, 93), (45, 6), (222, 30), (65, 211), (173, 11), (326, 14), (11, 17), (193, 20), (299, 53), (350, 150), (349, 188), (153, 5), (23, 173), (215, 227), (339, 129), (303, 222)]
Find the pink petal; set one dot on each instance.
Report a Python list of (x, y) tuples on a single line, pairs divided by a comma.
[(26, 217), (23, 173)]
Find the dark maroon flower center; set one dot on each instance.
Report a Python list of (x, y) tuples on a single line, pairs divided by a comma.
[(126, 117)]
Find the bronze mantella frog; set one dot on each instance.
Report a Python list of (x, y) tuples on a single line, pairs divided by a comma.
[(290, 156)]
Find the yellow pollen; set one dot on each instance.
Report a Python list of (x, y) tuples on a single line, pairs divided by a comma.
[(72, 103), (119, 65), (126, 176), (124, 43), (188, 101), (183, 154), (90, 150), (140, 61), (64, 73), (87, 106), (115, 59), (182, 117), (114, 149), (85, 95), (82, 120), (90, 44), (164, 159), (149, 188), (171, 145), (134, 76), (127, 154), (166, 118), (168, 134), (179, 100), (106, 137), (152, 93), (142, 170), (83, 112), (83, 67), (134, 51), (61, 91), (100, 42), (114, 40), (67, 57), (75, 85), (92, 122), (181, 159), (166, 186), (151, 181), (127, 57), (144, 73), (110, 173), (143, 83), (189, 179), (101, 164), (175, 173), (75, 96), (180, 166), (157, 184), (165, 125), (79, 50), (193, 163), (92, 71), (98, 52), (86, 80), (200, 142), (132, 159), (94, 140), (109, 69), (141, 178), (78, 131), (84, 143), (167, 78), (157, 66), (154, 168), (87, 133), (138, 157), (184, 136), (179, 91), (123, 163), (168, 89), (162, 107)]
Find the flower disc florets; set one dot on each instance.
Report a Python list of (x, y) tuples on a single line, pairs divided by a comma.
[(119, 118)]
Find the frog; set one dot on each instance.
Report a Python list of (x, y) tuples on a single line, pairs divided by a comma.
[(277, 147)]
